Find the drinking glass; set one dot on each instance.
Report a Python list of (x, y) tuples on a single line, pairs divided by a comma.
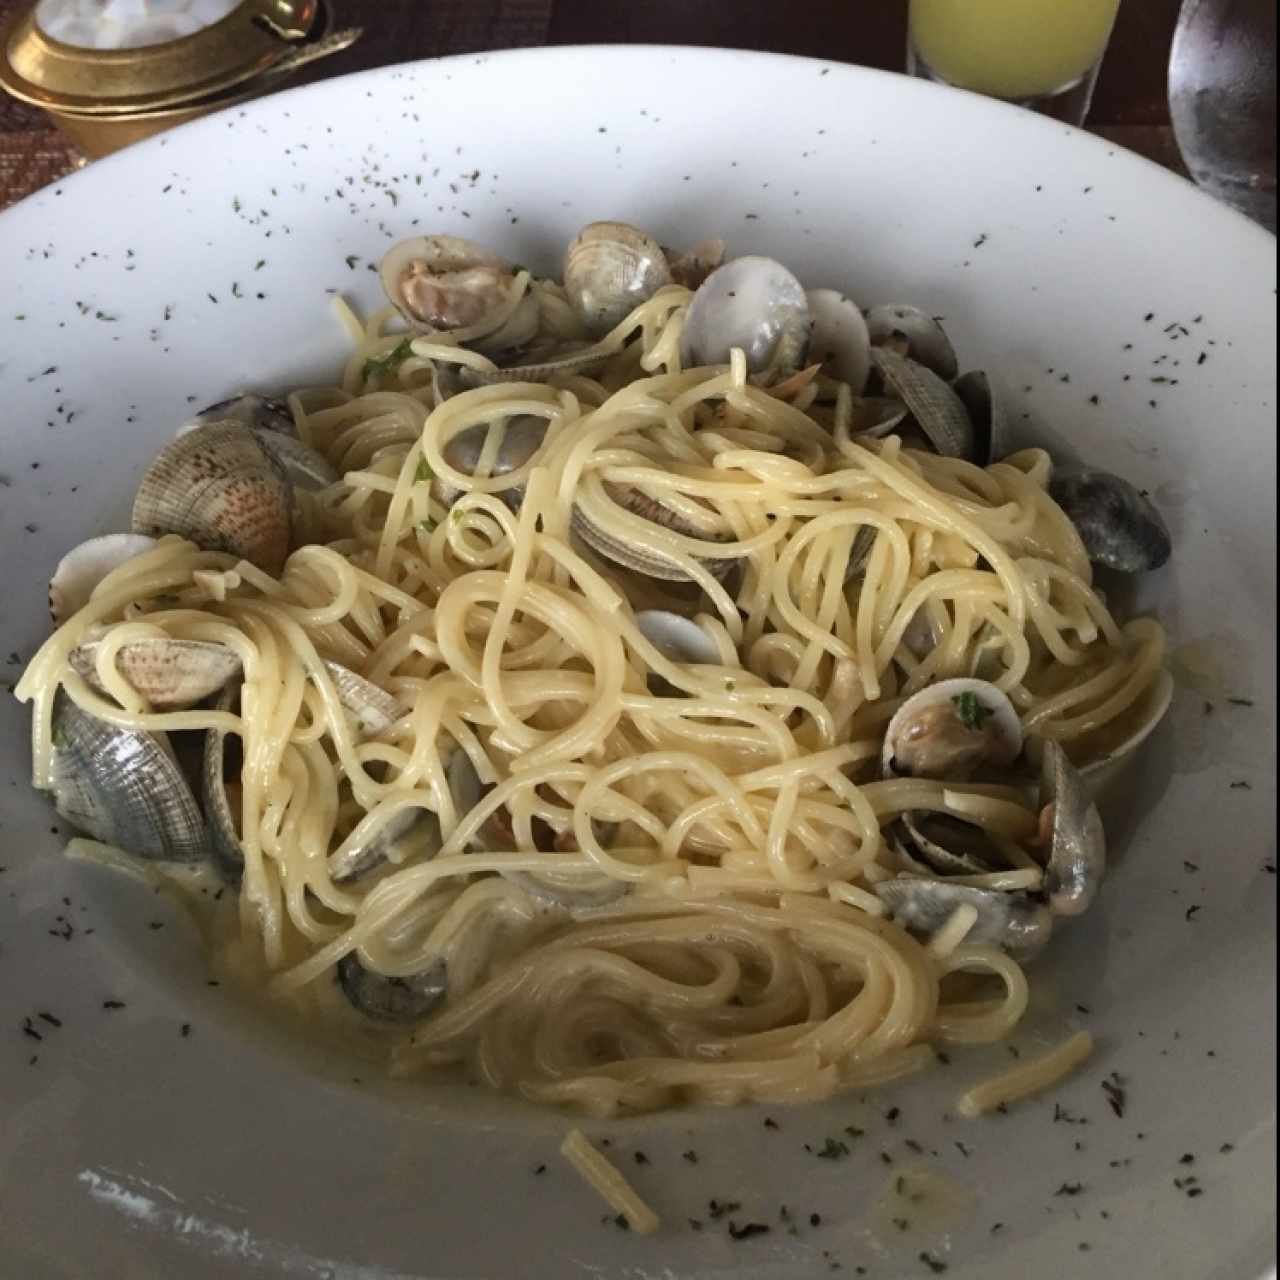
[(1042, 54), (1222, 99)]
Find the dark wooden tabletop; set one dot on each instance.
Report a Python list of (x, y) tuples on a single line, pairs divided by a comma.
[(1130, 106)]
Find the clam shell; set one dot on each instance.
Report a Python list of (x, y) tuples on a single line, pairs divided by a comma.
[(1005, 748), (926, 341), (949, 846), (1151, 709), (522, 439), (573, 361), (675, 637), (838, 337), (250, 410), (1120, 528), (643, 561), (223, 816), (610, 268), (692, 266), (123, 787), (168, 673), (936, 409), (83, 567), (1078, 845), (375, 709), (986, 413), (752, 303), (469, 282), (393, 1000), (1014, 922), (223, 489)]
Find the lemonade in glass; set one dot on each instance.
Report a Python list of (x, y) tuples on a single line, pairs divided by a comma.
[(1044, 53)]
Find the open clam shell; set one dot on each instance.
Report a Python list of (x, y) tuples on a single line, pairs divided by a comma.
[(84, 566), (924, 339), (935, 408), (170, 674), (945, 845), (223, 489), (1014, 922), (610, 268), (692, 266), (952, 730), (392, 1000), (123, 787), (441, 282)]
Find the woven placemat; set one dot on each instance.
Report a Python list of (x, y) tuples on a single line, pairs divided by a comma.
[(33, 153)]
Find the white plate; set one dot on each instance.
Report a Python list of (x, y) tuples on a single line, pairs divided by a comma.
[(201, 262)]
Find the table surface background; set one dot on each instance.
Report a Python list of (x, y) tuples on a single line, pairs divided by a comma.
[(1130, 107)]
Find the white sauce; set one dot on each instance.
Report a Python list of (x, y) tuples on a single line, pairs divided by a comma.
[(127, 24)]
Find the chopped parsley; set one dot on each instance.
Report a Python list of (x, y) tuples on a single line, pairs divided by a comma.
[(424, 474), (382, 365), (970, 710)]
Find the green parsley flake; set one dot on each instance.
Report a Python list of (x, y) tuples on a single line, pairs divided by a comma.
[(971, 711), (424, 474), (380, 366)]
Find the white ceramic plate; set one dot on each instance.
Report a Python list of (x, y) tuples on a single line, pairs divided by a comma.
[(203, 261)]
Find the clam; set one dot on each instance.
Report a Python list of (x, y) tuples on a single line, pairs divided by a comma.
[(564, 359), (169, 673), (272, 422), (444, 282), (691, 267), (876, 416), (938, 843), (1147, 713), (677, 638), (610, 268), (751, 303), (250, 410), (521, 439), (954, 729), (83, 567), (222, 488), (915, 334), (1119, 526), (935, 408), (1014, 922), (375, 710), (397, 1000), (838, 337), (650, 564), (410, 831), (986, 413), (123, 787), (1077, 858), (569, 890), (220, 791)]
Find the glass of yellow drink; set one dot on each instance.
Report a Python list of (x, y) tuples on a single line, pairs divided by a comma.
[(1044, 54)]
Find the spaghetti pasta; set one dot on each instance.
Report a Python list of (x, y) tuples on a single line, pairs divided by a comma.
[(663, 884)]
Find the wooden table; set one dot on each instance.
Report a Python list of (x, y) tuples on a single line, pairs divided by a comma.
[(1130, 107)]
